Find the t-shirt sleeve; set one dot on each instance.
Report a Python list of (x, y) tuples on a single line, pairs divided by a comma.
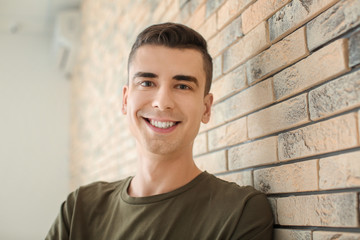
[(61, 226), (256, 222)]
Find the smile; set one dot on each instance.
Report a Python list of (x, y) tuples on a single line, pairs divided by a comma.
[(159, 124)]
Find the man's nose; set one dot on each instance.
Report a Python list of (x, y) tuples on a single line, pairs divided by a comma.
[(163, 99)]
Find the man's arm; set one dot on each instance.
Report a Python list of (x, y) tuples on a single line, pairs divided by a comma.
[(256, 222), (61, 226)]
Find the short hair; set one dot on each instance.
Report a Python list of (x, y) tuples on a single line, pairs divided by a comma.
[(174, 35)]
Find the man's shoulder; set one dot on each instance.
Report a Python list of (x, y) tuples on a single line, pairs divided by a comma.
[(241, 202), (231, 190), (103, 185), (99, 189)]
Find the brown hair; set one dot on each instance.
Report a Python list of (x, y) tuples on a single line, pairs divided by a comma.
[(174, 35)]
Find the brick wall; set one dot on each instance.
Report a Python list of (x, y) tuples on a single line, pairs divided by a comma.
[(287, 102)]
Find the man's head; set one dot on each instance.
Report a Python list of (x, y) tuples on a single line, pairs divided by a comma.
[(164, 100), (178, 36)]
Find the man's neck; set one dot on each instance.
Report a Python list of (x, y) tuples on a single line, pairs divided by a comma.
[(160, 175)]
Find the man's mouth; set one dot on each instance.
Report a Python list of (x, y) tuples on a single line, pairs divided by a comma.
[(161, 124)]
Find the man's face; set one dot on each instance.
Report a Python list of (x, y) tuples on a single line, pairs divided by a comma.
[(164, 101)]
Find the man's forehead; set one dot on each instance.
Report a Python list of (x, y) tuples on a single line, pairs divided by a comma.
[(157, 50), (151, 55)]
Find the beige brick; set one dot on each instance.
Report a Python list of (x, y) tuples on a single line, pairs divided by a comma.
[(331, 135), (185, 13), (105, 171), (336, 96), (205, 127), (291, 234), (246, 101), (138, 16), (225, 37), (212, 6), (200, 144), (217, 67), (341, 171), (208, 29), (296, 177), (217, 118), (130, 155), (318, 235), (197, 18), (229, 84), (278, 56), (331, 210), (320, 66), (253, 153), (354, 49), (332, 23), (171, 11), (212, 162), (291, 113), (229, 134), (127, 168), (230, 10), (259, 11), (159, 10), (295, 14), (248, 46), (196, 4), (243, 178)]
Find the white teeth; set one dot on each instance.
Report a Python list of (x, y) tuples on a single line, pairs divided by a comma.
[(159, 124)]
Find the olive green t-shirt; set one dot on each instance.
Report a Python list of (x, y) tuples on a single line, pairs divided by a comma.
[(205, 208)]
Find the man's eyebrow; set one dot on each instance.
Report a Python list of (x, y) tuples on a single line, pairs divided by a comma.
[(145, 75), (186, 78)]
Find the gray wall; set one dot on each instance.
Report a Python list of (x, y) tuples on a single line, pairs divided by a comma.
[(34, 113)]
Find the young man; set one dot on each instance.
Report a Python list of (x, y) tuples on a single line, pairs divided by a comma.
[(165, 100)]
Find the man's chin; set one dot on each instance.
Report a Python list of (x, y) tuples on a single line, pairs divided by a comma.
[(161, 147)]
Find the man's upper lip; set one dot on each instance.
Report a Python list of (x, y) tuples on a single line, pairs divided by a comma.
[(160, 119)]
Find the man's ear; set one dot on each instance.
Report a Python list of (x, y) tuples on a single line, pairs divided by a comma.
[(125, 91), (208, 101)]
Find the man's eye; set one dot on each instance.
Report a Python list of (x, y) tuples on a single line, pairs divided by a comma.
[(147, 84), (183, 86)]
